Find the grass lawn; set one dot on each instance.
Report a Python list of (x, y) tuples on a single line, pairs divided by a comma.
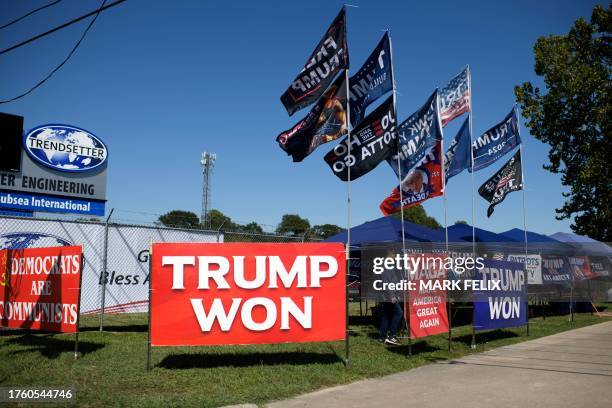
[(111, 371)]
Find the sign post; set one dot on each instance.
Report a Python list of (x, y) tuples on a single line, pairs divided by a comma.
[(78, 328), (150, 300)]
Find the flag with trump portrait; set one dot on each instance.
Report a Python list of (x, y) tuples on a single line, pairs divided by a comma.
[(420, 184), (325, 122), (328, 58), (455, 98)]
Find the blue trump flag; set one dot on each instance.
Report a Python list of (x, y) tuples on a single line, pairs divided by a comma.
[(417, 135), (497, 141), (373, 80), (504, 305), (457, 157)]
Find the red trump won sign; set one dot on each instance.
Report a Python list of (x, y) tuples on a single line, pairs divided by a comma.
[(237, 293)]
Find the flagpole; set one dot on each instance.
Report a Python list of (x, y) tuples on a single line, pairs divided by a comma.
[(518, 125), (443, 166), (473, 190), (399, 178)]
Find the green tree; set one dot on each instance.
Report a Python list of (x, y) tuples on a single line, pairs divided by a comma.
[(218, 220), (418, 215), (324, 231), (461, 222), (573, 117), (252, 228), (180, 219), (293, 224)]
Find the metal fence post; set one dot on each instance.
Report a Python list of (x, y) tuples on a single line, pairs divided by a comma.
[(104, 273)]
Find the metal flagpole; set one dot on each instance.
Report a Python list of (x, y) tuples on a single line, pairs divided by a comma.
[(443, 155), (348, 202), (149, 357), (518, 125), (348, 220), (399, 178), (473, 345)]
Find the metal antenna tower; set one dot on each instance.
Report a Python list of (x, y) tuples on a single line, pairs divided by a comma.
[(208, 164)]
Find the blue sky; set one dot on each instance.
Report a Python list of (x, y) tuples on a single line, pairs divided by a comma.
[(162, 81)]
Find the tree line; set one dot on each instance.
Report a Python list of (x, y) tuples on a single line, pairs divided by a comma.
[(292, 225)]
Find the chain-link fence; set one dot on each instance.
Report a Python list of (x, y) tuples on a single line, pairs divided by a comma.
[(115, 274)]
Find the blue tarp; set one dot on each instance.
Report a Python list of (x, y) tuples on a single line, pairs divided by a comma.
[(519, 235), (584, 244), (463, 233), (388, 229)]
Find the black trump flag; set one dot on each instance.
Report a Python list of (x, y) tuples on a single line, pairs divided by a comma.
[(508, 179), (329, 57)]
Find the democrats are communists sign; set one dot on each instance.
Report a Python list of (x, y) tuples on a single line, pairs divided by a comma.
[(39, 288), (239, 293)]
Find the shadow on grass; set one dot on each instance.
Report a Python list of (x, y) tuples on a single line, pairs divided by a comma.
[(50, 346), (417, 348), (484, 337), (362, 321), (193, 360), (118, 328)]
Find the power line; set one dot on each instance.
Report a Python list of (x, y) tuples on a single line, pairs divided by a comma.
[(76, 20), (45, 79), (29, 14)]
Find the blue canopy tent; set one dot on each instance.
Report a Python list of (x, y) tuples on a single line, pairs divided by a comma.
[(584, 244), (519, 235), (387, 229), (381, 230), (463, 233)]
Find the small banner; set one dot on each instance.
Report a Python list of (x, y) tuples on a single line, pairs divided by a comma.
[(240, 293), (455, 97), (507, 179), (371, 142), (373, 80), (427, 303), (581, 268), (503, 307), (416, 136), (497, 141), (325, 122), (600, 265), (534, 266), (329, 57), (39, 288), (555, 270), (421, 184)]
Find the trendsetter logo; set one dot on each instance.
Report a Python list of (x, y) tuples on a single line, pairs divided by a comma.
[(21, 240), (65, 148)]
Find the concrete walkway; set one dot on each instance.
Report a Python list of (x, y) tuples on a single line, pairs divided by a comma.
[(570, 369)]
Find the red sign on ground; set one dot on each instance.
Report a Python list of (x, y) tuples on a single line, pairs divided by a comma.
[(427, 303), (240, 293), (427, 312), (39, 288)]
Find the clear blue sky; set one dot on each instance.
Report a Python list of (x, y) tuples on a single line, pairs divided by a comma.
[(162, 81)]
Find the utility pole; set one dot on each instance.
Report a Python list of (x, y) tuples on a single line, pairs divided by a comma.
[(208, 164)]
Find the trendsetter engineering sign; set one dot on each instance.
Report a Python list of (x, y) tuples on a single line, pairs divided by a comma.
[(218, 294), (40, 288), (63, 169)]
